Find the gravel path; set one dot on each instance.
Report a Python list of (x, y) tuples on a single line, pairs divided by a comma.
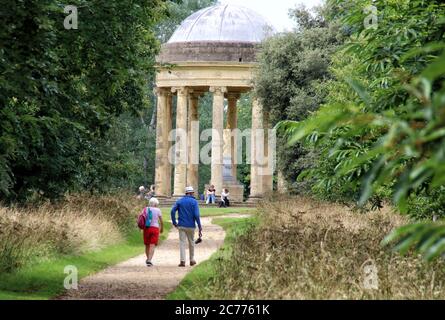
[(133, 280)]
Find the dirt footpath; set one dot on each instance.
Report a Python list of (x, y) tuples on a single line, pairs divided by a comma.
[(133, 280)]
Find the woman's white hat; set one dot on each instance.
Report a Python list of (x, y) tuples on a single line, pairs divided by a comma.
[(189, 190)]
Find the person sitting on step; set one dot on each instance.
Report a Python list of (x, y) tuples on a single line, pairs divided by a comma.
[(224, 203), (211, 194)]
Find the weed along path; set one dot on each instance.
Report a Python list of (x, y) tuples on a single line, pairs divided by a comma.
[(133, 280)]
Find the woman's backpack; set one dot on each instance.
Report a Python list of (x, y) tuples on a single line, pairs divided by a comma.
[(143, 220)]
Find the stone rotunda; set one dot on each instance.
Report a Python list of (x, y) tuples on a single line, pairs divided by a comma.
[(214, 50)]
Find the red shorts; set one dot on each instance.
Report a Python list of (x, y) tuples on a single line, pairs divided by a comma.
[(151, 236)]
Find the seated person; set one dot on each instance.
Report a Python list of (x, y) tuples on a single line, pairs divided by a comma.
[(211, 194), (224, 199)]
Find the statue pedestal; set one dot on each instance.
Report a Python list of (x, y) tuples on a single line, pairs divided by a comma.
[(236, 191)]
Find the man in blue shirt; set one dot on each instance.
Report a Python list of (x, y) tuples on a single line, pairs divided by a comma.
[(188, 217)]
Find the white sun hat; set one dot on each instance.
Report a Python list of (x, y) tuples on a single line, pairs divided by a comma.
[(189, 190)]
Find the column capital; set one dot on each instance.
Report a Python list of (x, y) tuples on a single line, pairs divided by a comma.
[(218, 90), (161, 91), (182, 91)]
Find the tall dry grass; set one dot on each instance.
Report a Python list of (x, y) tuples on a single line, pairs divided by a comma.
[(79, 224), (305, 249)]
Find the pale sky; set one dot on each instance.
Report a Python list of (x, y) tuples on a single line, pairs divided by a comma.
[(275, 10)]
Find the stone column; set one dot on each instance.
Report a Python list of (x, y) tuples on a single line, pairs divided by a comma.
[(169, 164), (180, 143), (230, 137), (267, 173), (217, 138), (162, 144), (256, 181), (193, 142)]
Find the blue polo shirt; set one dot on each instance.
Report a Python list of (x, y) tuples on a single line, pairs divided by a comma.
[(188, 212)]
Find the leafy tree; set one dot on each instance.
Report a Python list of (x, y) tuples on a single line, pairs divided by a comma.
[(389, 138), (293, 78), (375, 60), (62, 90)]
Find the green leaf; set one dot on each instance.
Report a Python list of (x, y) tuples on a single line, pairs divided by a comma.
[(399, 232), (367, 186), (431, 47), (435, 69), (436, 250), (360, 90)]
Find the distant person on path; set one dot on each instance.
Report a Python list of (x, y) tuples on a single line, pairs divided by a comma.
[(141, 193), (224, 199), (150, 221), (211, 194), (188, 217)]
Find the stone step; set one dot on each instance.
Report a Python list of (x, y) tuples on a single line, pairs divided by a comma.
[(170, 202)]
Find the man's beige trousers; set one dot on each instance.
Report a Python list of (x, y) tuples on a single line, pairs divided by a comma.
[(187, 235)]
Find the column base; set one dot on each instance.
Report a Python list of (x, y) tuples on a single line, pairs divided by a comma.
[(254, 199)]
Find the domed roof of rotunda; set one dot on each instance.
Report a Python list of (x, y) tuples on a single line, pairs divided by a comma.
[(223, 22), (220, 33)]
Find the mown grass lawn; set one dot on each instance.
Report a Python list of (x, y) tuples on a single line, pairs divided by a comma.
[(45, 280), (212, 211)]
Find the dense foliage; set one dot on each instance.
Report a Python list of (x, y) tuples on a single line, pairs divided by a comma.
[(381, 133), (293, 79), (375, 122), (62, 90)]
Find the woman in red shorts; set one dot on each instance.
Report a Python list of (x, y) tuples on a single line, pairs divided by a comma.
[(151, 232)]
